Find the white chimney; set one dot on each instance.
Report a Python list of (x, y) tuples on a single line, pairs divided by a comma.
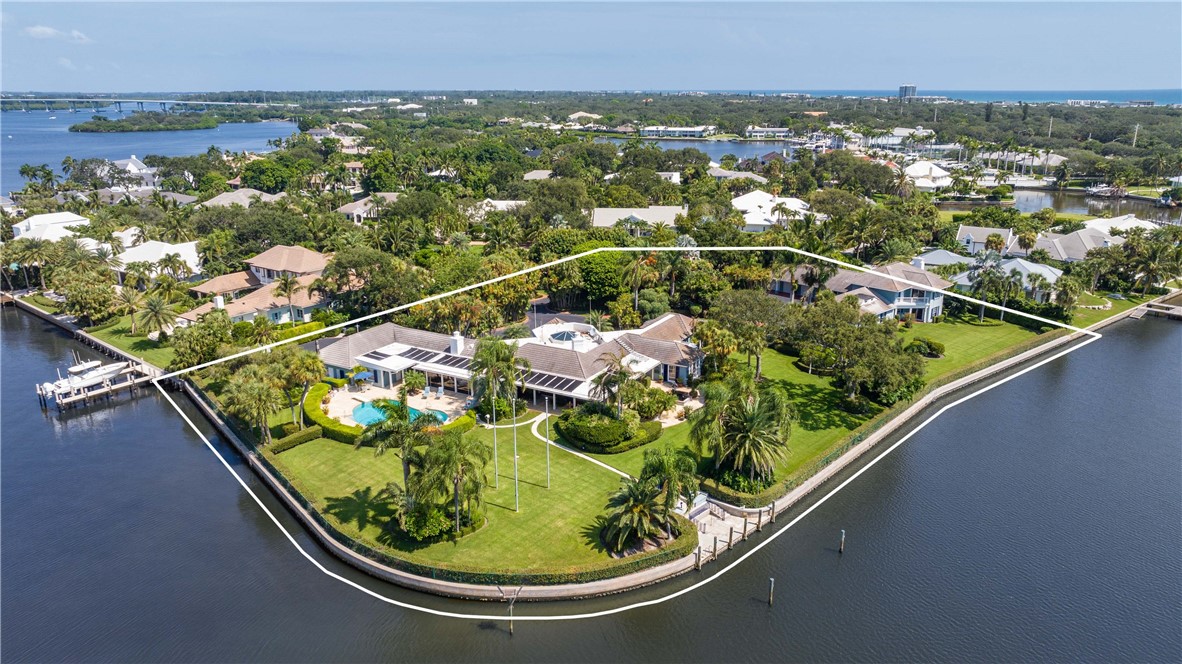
[(457, 343), (219, 302), (917, 262)]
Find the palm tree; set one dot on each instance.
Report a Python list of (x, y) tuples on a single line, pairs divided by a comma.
[(137, 273), (305, 369), (128, 301), (984, 276), (174, 266), (755, 431), (496, 369), (287, 285), (1037, 284), (636, 514), (262, 330), (40, 253), (1067, 292), (706, 422), (637, 274), (455, 461), (157, 314), (674, 471), (167, 287), (1026, 241), (398, 432), (253, 395), (611, 381)]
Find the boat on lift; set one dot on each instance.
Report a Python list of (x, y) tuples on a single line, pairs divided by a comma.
[(83, 375)]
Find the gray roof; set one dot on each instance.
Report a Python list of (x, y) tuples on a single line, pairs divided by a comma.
[(885, 279), (1024, 267), (243, 197), (1072, 246), (943, 257), (979, 233), (734, 175), (661, 350)]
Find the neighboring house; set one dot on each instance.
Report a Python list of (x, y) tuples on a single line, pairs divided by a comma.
[(637, 218), (662, 131), (8, 205), (897, 137), (262, 303), (283, 259), (138, 169), (154, 250), (881, 292), (940, 257), (244, 197), (478, 211), (1071, 247), (972, 238), (470, 101), (580, 115), (231, 284), (565, 357), (670, 176), (759, 209), (1123, 223), (720, 174), (63, 221), (963, 281), (540, 174), (360, 210), (764, 133), (927, 176)]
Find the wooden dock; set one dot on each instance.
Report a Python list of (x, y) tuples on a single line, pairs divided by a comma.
[(131, 380), (1172, 311)]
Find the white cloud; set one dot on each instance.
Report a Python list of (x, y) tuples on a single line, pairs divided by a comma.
[(67, 63), (47, 32)]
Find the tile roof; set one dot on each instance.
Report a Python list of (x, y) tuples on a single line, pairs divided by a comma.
[(669, 327), (263, 299), (284, 258), (227, 283)]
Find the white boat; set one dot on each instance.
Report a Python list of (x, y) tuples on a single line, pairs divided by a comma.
[(84, 375)]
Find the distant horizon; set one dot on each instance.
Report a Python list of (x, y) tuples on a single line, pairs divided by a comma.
[(582, 46)]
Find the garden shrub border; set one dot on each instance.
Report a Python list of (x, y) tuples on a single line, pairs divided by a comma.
[(649, 431), (296, 331), (298, 438), (334, 430)]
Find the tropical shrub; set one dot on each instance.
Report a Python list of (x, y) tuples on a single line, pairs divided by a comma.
[(297, 438), (926, 347), (298, 330), (426, 522), (331, 428), (414, 381), (741, 482), (463, 423)]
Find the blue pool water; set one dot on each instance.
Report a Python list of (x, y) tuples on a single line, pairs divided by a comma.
[(366, 414)]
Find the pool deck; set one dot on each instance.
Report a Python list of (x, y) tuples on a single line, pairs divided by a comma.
[(342, 402)]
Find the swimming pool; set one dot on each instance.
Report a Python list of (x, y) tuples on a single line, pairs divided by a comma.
[(366, 414)]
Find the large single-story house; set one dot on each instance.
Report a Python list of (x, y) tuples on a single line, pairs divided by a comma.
[(540, 174), (154, 250), (1023, 267), (662, 131), (940, 257), (62, 220), (653, 214), (283, 259), (759, 209), (366, 208), (565, 357), (720, 174), (927, 176), (478, 211), (1119, 224), (262, 302), (1070, 247)]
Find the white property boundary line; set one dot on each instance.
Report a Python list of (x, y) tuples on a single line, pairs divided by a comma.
[(1093, 336)]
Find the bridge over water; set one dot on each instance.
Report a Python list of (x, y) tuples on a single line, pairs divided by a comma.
[(98, 103)]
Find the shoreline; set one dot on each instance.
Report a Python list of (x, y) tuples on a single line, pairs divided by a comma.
[(614, 585)]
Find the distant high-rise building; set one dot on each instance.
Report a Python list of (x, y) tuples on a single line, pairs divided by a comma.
[(906, 92)]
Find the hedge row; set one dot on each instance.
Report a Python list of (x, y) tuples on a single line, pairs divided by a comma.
[(336, 382), (763, 498), (298, 330), (649, 431), (297, 438), (463, 423), (332, 429)]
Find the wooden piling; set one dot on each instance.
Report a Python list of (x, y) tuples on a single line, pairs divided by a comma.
[(759, 520), (730, 539), (771, 590), (744, 527), (841, 547)]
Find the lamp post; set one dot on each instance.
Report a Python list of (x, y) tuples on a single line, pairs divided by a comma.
[(496, 467), (547, 400), (516, 495)]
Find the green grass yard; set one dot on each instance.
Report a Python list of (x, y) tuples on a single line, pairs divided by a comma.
[(965, 342), (139, 345), (553, 530), (1086, 317), (43, 303)]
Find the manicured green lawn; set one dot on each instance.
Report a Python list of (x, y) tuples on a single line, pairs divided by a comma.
[(119, 335), (964, 342), (1086, 317), (1089, 300), (552, 530)]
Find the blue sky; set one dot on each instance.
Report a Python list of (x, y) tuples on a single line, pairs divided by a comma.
[(182, 46)]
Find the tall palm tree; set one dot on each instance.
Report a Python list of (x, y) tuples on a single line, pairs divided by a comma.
[(637, 274), (40, 253), (496, 369), (305, 369), (616, 374), (1067, 292), (706, 422), (287, 285), (174, 266), (128, 301), (635, 514), (453, 462), (755, 431), (167, 287), (674, 471), (399, 433), (984, 275), (157, 314), (253, 395)]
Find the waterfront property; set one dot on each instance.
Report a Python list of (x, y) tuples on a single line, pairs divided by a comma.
[(1071, 247), (928, 177), (264, 303), (1037, 279), (879, 292), (244, 197), (565, 357), (765, 133), (52, 226), (663, 131), (723, 174), (973, 238), (153, 251)]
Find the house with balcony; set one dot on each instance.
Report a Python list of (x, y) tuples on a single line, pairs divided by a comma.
[(265, 303), (888, 291), (282, 259)]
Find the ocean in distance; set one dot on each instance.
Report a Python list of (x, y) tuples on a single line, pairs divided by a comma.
[(1160, 97)]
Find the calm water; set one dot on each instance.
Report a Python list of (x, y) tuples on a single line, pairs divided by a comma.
[(1040, 521), (1077, 203), (33, 138)]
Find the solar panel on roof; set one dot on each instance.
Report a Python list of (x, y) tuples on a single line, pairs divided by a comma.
[(456, 361), (417, 354), (375, 355)]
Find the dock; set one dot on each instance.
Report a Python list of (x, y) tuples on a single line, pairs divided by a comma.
[(1171, 311), (130, 380)]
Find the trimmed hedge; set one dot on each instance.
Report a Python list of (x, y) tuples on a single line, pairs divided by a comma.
[(297, 438), (648, 432), (463, 423), (298, 330), (332, 429), (336, 382)]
